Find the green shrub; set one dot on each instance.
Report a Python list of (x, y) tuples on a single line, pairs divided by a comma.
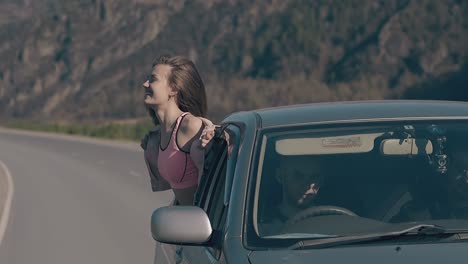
[(133, 132)]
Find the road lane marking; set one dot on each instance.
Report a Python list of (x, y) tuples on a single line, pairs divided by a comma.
[(5, 215)]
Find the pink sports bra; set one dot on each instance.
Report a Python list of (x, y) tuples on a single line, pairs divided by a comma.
[(175, 165)]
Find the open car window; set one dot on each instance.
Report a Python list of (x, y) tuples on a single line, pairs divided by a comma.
[(214, 165), (214, 188), (359, 179)]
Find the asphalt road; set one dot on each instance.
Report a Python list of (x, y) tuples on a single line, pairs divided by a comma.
[(77, 201)]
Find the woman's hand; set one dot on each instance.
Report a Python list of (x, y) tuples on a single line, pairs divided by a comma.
[(206, 135), (309, 194)]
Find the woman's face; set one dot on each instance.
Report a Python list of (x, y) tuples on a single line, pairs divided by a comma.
[(157, 89)]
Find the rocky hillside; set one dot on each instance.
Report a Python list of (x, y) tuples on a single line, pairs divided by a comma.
[(86, 59)]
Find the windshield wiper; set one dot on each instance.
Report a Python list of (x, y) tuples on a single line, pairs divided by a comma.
[(419, 230)]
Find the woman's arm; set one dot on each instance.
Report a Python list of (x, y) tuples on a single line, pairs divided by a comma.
[(198, 130), (188, 136)]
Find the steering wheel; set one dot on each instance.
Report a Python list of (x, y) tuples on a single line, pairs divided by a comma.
[(318, 211)]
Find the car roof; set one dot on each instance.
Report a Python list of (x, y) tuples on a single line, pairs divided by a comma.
[(360, 110)]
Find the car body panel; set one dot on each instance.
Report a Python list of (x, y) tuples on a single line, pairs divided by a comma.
[(355, 111), (382, 254), (234, 245), (236, 211)]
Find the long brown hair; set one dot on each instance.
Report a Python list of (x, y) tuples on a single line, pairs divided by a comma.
[(185, 79)]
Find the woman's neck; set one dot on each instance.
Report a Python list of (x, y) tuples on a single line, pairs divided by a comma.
[(168, 116)]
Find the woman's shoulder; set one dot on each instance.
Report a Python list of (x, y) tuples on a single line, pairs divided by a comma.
[(151, 136), (191, 125), (155, 130), (191, 122)]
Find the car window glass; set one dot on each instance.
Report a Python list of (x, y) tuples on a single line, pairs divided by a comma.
[(211, 193), (356, 179), (214, 160)]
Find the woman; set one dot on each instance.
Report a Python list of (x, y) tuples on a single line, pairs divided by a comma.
[(174, 151)]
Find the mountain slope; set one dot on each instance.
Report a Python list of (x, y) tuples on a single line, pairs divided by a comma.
[(86, 60)]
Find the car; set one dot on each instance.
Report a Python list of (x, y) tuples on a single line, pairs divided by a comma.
[(343, 182)]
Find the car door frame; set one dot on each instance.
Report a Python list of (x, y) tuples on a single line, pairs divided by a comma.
[(216, 186)]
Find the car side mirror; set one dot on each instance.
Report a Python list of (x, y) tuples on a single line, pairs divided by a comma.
[(187, 225)]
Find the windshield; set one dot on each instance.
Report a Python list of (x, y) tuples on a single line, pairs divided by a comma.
[(314, 183)]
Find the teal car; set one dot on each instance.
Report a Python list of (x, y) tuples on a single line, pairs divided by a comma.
[(350, 182)]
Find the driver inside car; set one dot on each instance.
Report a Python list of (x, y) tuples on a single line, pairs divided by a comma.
[(300, 179)]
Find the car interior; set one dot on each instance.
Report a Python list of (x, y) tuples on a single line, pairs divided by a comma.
[(375, 186)]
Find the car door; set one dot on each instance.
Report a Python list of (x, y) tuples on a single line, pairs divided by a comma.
[(212, 195)]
